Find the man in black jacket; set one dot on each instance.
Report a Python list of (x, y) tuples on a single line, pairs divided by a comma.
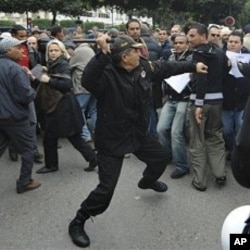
[(121, 82), (15, 96), (206, 144)]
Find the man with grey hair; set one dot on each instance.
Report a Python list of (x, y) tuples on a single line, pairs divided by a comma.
[(16, 94)]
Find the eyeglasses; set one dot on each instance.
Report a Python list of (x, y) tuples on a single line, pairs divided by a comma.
[(215, 35)]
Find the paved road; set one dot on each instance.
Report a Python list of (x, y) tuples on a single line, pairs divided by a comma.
[(181, 219)]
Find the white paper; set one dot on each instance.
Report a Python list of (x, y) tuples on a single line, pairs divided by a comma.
[(178, 82), (234, 58)]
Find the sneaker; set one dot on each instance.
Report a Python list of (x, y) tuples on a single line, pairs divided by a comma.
[(31, 186), (221, 181), (157, 186), (92, 165), (197, 187), (178, 173)]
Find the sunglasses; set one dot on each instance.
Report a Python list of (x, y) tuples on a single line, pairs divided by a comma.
[(215, 35)]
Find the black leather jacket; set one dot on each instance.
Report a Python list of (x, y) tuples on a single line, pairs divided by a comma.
[(123, 100)]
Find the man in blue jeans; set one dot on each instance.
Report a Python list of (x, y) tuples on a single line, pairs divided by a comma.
[(171, 124), (82, 54), (235, 94)]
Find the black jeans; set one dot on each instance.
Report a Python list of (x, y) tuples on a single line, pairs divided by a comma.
[(22, 136), (50, 149), (151, 152)]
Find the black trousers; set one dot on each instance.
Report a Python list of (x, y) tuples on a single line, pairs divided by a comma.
[(151, 152), (22, 136), (51, 153)]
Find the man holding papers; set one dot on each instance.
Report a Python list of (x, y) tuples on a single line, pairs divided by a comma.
[(235, 90), (206, 144), (172, 120)]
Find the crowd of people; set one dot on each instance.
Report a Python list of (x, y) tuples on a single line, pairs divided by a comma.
[(165, 95)]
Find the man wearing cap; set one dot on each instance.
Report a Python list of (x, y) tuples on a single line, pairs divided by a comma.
[(121, 82), (15, 96)]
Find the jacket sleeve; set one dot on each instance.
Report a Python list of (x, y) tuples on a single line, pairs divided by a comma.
[(23, 92), (165, 69), (245, 69), (93, 77), (200, 80)]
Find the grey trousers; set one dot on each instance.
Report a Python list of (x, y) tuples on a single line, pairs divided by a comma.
[(206, 145)]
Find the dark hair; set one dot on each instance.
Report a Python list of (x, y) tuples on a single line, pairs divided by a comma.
[(14, 30), (133, 20), (201, 28), (55, 30), (165, 29), (187, 26), (117, 57), (237, 33)]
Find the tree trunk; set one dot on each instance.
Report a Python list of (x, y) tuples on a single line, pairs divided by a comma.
[(54, 13)]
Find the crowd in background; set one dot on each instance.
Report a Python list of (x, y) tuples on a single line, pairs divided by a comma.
[(170, 110)]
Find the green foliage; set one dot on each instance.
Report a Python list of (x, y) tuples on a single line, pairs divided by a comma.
[(88, 25), (42, 23), (6, 23), (67, 23)]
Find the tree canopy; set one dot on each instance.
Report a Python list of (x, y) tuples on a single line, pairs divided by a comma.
[(205, 11)]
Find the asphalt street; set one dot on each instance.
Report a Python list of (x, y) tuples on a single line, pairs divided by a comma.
[(180, 219)]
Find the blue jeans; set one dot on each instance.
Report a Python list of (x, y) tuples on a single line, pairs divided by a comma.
[(232, 121), (88, 106), (171, 131)]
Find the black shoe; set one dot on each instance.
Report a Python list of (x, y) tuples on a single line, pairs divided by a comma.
[(38, 158), (178, 173), (221, 181), (78, 234), (196, 186), (13, 155), (45, 170), (157, 186), (92, 165)]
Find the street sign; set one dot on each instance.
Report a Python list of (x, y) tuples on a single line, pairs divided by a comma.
[(229, 21)]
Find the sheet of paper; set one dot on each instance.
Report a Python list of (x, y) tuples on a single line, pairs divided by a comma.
[(234, 58), (178, 82), (37, 71)]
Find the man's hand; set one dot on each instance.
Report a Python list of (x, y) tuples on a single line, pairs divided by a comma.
[(201, 68), (102, 43), (29, 73), (198, 115)]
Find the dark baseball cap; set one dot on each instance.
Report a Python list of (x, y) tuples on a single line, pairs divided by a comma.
[(124, 42)]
